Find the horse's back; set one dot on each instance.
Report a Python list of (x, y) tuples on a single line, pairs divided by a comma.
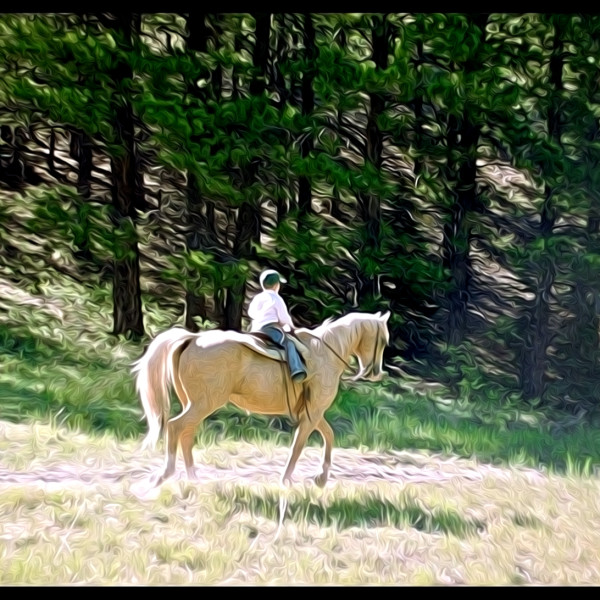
[(240, 361), (222, 369), (230, 354)]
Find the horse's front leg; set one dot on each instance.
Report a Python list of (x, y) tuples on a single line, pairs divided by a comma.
[(304, 429), (326, 432)]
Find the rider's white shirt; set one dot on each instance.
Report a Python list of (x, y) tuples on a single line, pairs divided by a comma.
[(267, 308)]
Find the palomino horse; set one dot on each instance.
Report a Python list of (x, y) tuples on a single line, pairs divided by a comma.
[(211, 368)]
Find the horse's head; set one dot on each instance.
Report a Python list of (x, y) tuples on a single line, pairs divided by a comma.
[(373, 338)]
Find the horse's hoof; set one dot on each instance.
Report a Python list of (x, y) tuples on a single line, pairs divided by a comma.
[(160, 479), (321, 480), (192, 474)]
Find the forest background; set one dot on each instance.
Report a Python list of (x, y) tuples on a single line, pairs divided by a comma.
[(443, 167), (440, 166)]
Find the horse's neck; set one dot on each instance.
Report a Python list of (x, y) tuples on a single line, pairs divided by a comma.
[(341, 337)]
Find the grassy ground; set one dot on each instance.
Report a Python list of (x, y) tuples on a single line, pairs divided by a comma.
[(77, 509), (427, 488)]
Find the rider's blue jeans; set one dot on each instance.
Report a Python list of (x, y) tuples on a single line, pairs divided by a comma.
[(294, 360)]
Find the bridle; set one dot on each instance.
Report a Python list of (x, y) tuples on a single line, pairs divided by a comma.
[(345, 362), (375, 348)]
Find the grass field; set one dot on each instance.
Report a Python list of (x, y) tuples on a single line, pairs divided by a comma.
[(77, 509), (426, 488)]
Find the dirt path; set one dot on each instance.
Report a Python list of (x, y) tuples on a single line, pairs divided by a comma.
[(246, 463)]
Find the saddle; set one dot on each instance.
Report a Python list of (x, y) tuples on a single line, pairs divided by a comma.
[(256, 341)]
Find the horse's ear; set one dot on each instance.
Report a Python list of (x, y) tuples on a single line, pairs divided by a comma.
[(385, 317), (378, 314)]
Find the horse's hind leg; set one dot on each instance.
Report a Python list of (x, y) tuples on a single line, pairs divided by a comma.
[(171, 458), (181, 430), (190, 423), (326, 432)]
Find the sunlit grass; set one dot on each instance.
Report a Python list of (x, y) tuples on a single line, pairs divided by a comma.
[(504, 527), (69, 414)]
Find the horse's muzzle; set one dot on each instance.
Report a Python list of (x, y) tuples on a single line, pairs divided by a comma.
[(370, 376), (374, 377)]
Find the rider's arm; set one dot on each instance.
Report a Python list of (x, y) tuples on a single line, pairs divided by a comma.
[(283, 314)]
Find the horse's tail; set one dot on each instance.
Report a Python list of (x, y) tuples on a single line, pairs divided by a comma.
[(154, 377)]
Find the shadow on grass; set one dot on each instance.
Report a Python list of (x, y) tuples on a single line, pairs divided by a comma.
[(26, 347), (18, 404), (345, 513)]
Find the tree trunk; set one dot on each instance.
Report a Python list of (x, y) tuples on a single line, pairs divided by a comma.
[(463, 136), (308, 105), (51, 150), (247, 231), (538, 336), (417, 106), (261, 52), (195, 306), (81, 152), (198, 31), (199, 236), (369, 204), (127, 195), (15, 171), (247, 222), (277, 77), (127, 295)]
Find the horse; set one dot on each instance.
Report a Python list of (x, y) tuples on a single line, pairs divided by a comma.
[(208, 369)]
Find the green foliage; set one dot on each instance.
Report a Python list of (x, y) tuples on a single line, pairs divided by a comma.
[(503, 105)]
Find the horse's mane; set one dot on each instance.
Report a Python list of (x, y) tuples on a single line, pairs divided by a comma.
[(324, 326), (327, 321), (351, 334), (350, 317)]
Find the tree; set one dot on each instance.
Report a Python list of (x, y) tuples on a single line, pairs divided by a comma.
[(48, 53), (127, 193)]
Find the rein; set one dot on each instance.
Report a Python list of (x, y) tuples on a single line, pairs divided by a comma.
[(336, 354), (344, 361), (329, 348), (375, 350)]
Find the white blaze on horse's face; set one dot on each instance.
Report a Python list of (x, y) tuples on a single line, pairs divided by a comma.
[(371, 346)]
